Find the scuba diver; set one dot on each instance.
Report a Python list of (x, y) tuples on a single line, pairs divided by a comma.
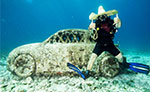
[(104, 29)]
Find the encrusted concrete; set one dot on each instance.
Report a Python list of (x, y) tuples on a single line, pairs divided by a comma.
[(51, 56)]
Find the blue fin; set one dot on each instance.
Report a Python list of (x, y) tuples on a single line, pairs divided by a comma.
[(139, 70), (138, 67), (71, 66)]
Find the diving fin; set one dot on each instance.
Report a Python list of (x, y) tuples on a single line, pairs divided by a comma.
[(71, 66), (138, 67)]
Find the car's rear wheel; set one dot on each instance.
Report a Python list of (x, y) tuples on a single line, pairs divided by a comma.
[(109, 65)]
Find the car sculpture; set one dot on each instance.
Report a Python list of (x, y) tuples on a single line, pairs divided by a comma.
[(50, 57)]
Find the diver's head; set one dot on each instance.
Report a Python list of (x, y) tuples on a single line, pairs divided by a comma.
[(99, 21), (104, 22), (102, 18)]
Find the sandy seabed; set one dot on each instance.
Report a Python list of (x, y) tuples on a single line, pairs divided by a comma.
[(128, 81)]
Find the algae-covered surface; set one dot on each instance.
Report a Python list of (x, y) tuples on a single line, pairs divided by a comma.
[(128, 81)]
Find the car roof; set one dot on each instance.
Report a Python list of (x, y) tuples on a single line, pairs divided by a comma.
[(70, 36)]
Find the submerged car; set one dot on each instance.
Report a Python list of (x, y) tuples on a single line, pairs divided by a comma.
[(50, 57)]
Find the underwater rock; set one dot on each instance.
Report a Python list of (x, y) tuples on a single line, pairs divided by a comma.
[(51, 56)]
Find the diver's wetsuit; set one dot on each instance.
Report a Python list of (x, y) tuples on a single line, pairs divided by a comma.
[(106, 31)]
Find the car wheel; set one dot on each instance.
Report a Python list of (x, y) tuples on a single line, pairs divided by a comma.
[(24, 65)]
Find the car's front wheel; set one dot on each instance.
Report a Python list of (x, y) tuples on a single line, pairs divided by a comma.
[(24, 65)]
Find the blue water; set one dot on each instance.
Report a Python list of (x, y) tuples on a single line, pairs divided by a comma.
[(29, 21)]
